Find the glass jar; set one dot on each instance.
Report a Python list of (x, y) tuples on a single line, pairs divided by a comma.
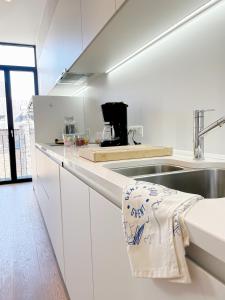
[(98, 137), (82, 139), (69, 125), (69, 139)]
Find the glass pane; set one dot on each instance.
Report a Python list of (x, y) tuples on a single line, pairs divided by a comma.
[(5, 173), (22, 89), (17, 56)]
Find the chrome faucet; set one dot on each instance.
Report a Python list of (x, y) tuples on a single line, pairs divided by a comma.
[(199, 131)]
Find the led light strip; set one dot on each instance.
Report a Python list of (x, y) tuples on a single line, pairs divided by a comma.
[(80, 91), (165, 33)]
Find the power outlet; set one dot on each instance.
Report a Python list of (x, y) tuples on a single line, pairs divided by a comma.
[(136, 130)]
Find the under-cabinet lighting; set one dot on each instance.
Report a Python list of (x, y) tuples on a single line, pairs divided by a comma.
[(165, 33), (80, 91)]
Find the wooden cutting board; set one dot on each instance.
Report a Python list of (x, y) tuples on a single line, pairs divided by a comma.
[(98, 154)]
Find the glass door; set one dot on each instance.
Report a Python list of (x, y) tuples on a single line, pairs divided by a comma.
[(18, 83), (16, 89), (22, 89), (5, 170)]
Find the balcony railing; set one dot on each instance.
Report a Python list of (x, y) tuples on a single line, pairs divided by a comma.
[(4, 157), (23, 155)]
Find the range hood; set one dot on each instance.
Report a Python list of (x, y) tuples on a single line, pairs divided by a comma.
[(73, 78), (70, 83)]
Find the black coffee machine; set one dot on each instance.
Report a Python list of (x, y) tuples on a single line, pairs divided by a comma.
[(115, 114)]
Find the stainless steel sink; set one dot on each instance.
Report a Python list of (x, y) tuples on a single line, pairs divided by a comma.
[(144, 170), (210, 183)]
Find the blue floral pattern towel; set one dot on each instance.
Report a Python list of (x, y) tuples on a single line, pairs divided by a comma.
[(155, 233)]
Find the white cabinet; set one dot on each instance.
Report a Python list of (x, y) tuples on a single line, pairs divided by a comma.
[(76, 234), (74, 25), (110, 262), (119, 3), (63, 44), (111, 270), (95, 14), (86, 233), (48, 195)]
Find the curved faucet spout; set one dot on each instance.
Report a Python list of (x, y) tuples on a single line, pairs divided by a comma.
[(200, 131), (218, 123)]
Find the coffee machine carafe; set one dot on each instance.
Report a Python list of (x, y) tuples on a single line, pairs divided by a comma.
[(115, 115)]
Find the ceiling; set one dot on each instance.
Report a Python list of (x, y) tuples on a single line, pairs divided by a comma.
[(20, 20)]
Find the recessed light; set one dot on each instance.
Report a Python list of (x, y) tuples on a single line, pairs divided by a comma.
[(8, 0)]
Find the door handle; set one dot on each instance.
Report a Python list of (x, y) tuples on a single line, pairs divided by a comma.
[(12, 133)]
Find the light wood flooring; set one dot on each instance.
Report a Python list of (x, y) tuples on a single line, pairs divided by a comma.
[(28, 269)]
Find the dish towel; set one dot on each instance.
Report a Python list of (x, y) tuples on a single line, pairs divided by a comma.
[(155, 233)]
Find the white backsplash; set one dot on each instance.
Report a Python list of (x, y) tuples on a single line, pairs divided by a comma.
[(49, 113)]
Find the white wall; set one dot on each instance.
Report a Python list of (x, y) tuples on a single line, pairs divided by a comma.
[(162, 86)]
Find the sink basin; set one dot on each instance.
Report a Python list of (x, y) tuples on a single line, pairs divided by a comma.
[(210, 183), (144, 170)]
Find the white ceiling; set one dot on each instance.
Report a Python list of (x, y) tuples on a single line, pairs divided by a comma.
[(20, 20)]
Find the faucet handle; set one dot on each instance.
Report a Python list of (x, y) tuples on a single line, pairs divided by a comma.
[(203, 110), (200, 112), (210, 109)]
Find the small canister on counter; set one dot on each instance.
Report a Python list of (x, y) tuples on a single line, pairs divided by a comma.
[(69, 131), (82, 139)]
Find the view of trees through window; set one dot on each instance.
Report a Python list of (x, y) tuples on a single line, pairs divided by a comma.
[(4, 142)]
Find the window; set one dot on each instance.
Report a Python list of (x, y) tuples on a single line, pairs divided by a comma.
[(17, 55)]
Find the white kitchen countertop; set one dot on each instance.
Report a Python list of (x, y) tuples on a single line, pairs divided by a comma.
[(205, 221)]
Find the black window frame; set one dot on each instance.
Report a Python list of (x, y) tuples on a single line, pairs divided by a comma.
[(6, 69)]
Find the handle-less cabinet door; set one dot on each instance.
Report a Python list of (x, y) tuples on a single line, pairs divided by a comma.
[(50, 202), (95, 14), (111, 270), (119, 3), (76, 234), (63, 44)]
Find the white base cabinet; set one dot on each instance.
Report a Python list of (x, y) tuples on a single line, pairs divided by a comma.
[(76, 235), (48, 193), (86, 233), (111, 270)]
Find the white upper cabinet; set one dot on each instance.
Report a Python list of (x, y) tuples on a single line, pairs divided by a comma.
[(46, 20), (135, 24), (119, 3), (80, 41), (95, 14), (74, 25), (63, 44)]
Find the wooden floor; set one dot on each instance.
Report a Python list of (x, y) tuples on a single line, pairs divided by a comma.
[(28, 269)]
